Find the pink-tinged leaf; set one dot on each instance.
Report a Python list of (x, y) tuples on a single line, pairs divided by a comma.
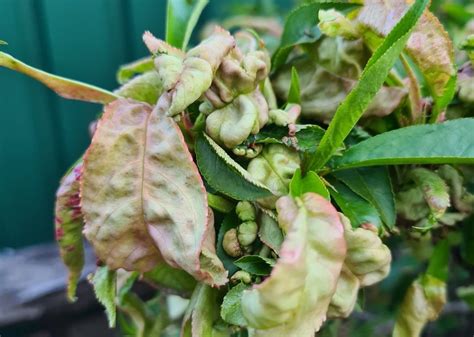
[(62, 86), (422, 303), (193, 75), (69, 224), (142, 196), (294, 299), (429, 44)]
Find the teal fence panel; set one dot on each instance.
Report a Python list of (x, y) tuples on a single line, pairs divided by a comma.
[(41, 134)]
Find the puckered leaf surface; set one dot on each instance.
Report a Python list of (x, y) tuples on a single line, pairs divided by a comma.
[(429, 45), (294, 299), (69, 222), (422, 303), (142, 197)]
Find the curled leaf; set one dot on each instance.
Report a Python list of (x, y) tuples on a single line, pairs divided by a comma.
[(232, 124), (294, 299), (142, 196), (429, 44), (62, 86), (193, 74), (69, 222), (345, 297), (422, 303), (323, 90), (367, 257), (274, 168), (434, 190)]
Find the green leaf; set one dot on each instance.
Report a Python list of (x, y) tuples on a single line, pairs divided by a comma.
[(146, 88), (301, 26), (371, 80), (181, 18), (467, 244), (467, 295), (69, 223), (269, 232), (311, 182), (224, 174), (3, 43), (448, 142), (255, 264), (62, 86), (374, 185), (202, 313), (129, 70), (231, 309), (166, 276), (219, 203), (294, 92), (358, 210), (439, 262), (104, 282), (306, 139)]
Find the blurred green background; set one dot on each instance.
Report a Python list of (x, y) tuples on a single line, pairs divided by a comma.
[(41, 134)]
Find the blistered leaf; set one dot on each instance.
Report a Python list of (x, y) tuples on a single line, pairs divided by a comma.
[(434, 190), (146, 88), (231, 309), (370, 82), (422, 303), (344, 299), (232, 124), (429, 45), (294, 299), (462, 200), (202, 312), (301, 27), (224, 174), (195, 75), (145, 200), (105, 288), (62, 86), (69, 223), (274, 168), (323, 90), (239, 73), (129, 70), (466, 83), (367, 257)]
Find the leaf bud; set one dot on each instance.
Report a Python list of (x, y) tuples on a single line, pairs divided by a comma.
[(231, 244), (247, 232)]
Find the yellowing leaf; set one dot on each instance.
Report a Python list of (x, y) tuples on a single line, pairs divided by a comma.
[(69, 223), (294, 299), (62, 86), (142, 197), (429, 44), (422, 303)]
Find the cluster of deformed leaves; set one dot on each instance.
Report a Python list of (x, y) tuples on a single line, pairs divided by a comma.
[(212, 172)]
